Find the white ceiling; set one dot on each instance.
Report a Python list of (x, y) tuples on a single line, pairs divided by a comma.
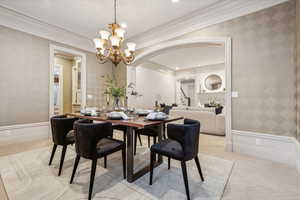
[(86, 17), (191, 56)]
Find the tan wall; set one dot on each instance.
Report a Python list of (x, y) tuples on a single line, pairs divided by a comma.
[(120, 74), (262, 68), (298, 66), (24, 78), (67, 65), (95, 80)]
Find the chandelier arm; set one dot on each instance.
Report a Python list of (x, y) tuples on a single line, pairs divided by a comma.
[(124, 58), (101, 58), (132, 58), (102, 62), (127, 60), (108, 54)]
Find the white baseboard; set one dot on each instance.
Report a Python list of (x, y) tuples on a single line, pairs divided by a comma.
[(23, 133), (297, 147), (265, 146)]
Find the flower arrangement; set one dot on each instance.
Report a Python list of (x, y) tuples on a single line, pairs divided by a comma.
[(114, 91), (132, 90)]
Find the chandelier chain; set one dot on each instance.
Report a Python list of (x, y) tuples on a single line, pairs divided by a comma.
[(115, 11)]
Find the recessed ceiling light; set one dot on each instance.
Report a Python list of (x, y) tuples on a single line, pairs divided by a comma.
[(175, 1), (123, 25), (177, 68)]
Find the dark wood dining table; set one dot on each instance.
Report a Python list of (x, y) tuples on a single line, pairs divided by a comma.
[(131, 125)]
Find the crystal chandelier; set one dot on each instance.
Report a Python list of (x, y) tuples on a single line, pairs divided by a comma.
[(109, 45)]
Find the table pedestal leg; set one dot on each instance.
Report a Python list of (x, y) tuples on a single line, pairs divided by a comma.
[(130, 158), (131, 175)]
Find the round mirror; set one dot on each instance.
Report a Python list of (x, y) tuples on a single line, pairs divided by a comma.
[(213, 82)]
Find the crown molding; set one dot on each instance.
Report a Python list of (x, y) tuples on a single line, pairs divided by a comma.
[(222, 11), (21, 22), (218, 13)]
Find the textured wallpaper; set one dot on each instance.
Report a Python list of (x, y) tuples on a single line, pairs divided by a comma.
[(24, 78), (263, 68), (120, 74), (96, 74)]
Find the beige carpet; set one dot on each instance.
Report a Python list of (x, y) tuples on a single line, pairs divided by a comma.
[(27, 176)]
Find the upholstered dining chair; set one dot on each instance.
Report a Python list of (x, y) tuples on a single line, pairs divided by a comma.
[(182, 144), (62, 135), (149, 132), (93, 141), (123, 129)]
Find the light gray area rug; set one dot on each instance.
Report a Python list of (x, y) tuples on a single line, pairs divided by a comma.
[(27, 176)]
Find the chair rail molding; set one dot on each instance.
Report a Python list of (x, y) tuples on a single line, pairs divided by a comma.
[(23, 132), (226, 41), (282, 149), (217, 13)]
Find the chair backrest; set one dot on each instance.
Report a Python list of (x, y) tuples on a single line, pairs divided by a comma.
[(60, 126), (87, 136), (187, 135)]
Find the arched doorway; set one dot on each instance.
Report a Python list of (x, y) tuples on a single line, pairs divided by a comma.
[(163, 47)]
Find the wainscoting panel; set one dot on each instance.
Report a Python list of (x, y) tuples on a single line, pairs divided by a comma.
[(23, 133), (265, 146)]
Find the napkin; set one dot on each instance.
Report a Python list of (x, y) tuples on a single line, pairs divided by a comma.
[(118, 114), (156, 115), (143, 112)]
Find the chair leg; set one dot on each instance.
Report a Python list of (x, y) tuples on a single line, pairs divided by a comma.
[(154, 142), (124, 161), (148, 141), (105, 162), (62, 158), (152, 159), (75, 168), (52, 154), (169, 163), (124, 137), (185, 178), (135, 142), (140, 139), (94, 166), (164, 131), (199, 167)]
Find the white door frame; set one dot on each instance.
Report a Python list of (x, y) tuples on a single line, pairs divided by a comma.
[(149, 51), (54, 48), (61, 88)]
